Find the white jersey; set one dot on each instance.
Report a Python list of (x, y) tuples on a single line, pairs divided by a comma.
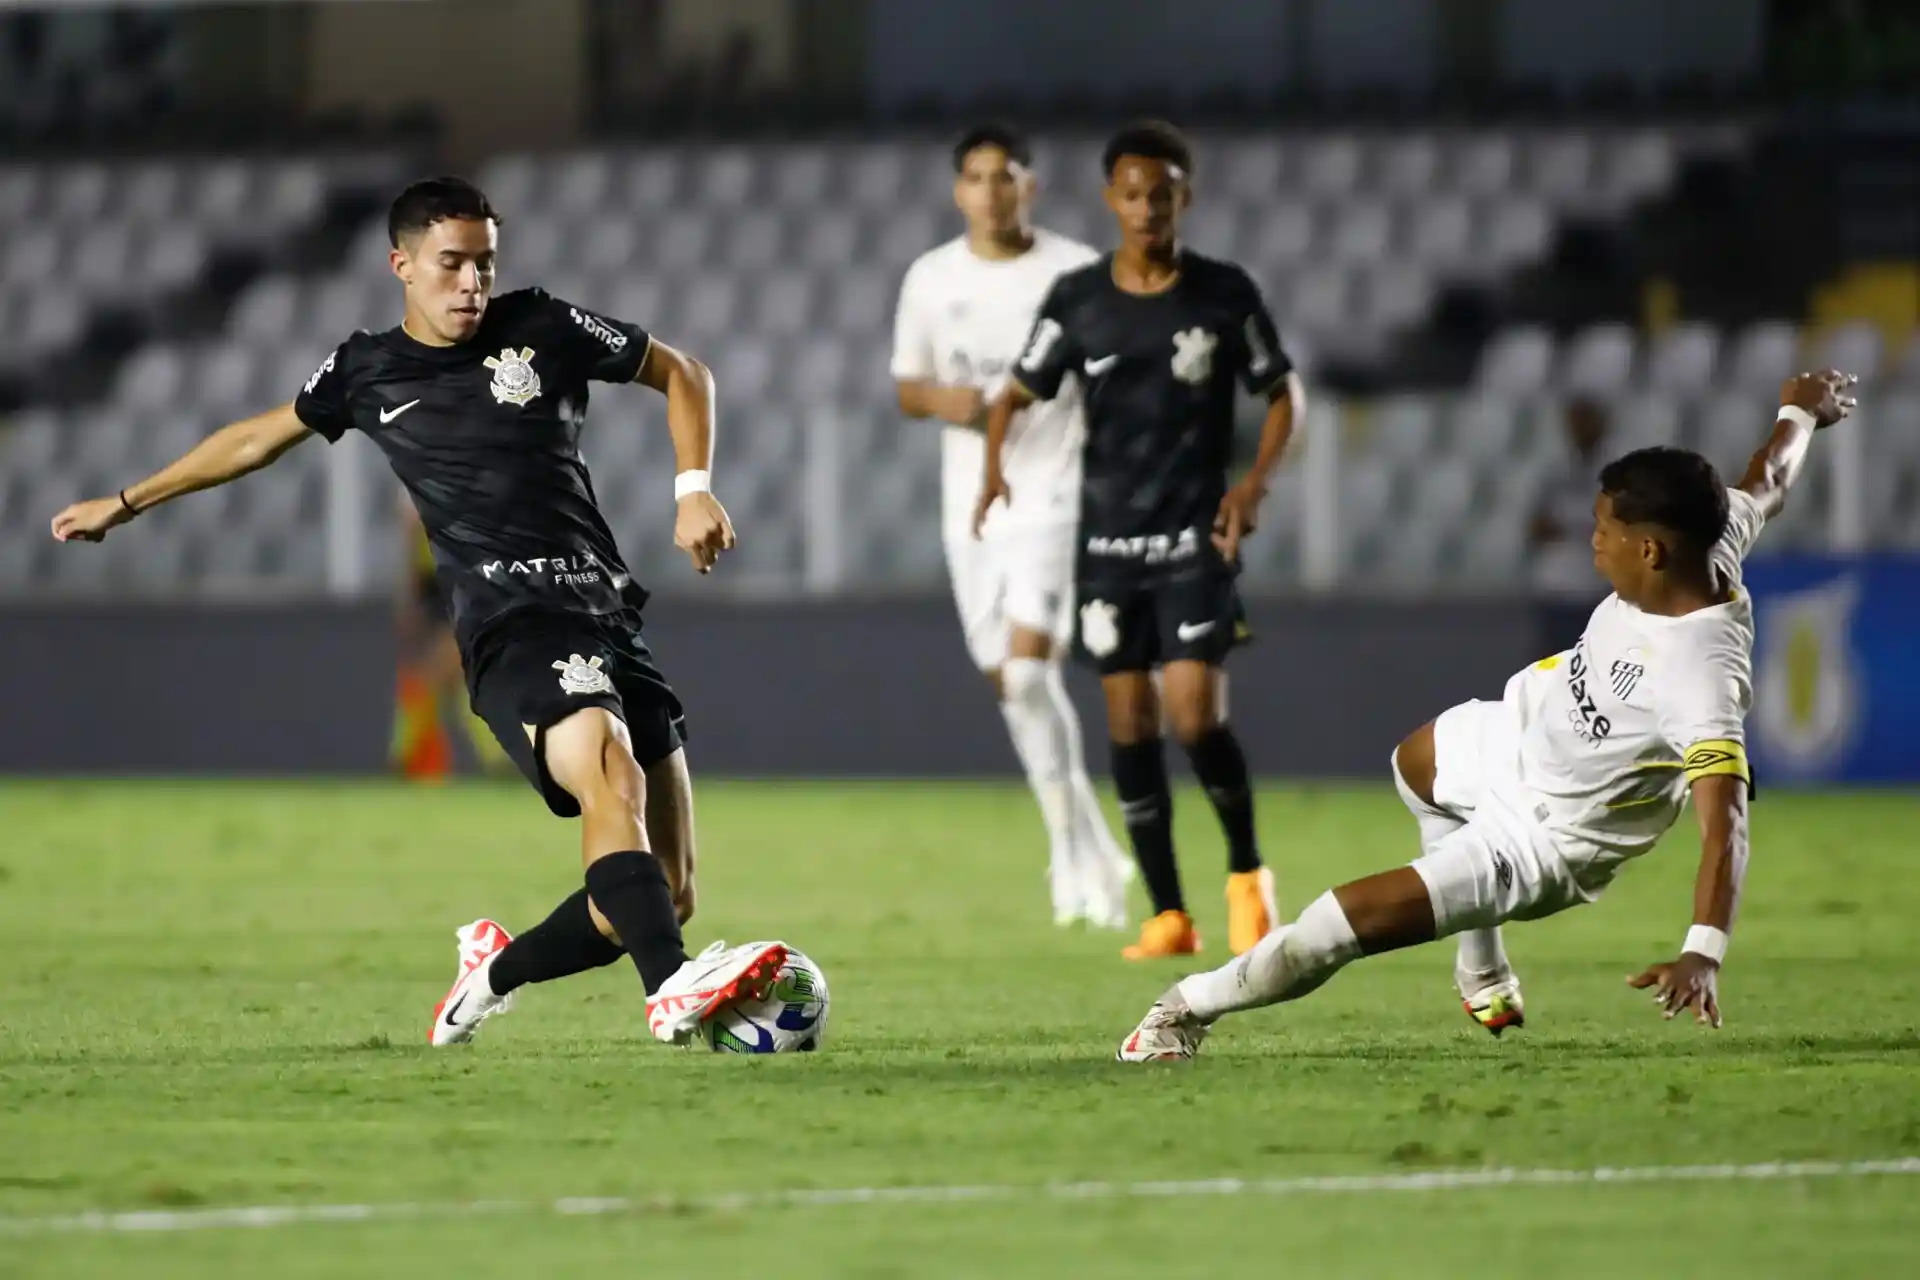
[(962, 320), (1613, 731)]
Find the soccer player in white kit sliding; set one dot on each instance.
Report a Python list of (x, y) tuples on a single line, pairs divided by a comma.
[(1529, 805), (965, 309)]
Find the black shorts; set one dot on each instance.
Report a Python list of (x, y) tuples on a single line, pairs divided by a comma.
[(532, 671), (1140, 623)]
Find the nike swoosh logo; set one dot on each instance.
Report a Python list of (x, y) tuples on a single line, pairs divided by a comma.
[(455, 1008), (1097, 368), (388, 415), (1191, 631)]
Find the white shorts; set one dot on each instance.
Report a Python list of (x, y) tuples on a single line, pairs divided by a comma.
[(1502, 865), (1020, 578)]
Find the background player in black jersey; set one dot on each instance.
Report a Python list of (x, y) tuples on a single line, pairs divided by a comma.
[(1159, 334), (478, 403)]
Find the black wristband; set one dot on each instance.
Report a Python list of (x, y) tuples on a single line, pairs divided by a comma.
[(131, 509)]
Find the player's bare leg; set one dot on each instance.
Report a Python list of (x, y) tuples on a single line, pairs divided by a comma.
[(1489, 989), (1196, 710), (1086, 868), (1146, 804)]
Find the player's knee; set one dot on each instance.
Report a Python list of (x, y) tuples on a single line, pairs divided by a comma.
[(1023, 681), (590, 754), (1133, 715), (1413, 763), (1190, 721)]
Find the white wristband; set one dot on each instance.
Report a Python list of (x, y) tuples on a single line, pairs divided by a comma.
[(692, 482), (1705, 940), (1795, 414)]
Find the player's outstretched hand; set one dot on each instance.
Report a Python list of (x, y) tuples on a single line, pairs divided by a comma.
[(1827, 395), (702, 530), (1239, 513), (1691, 982), (992, 489), (89, 521)]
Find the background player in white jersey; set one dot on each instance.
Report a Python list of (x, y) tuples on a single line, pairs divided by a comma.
[(965, 308), (1529, 805)]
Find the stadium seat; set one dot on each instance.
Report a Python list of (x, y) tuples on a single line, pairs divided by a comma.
[(1598, 360), (1682, 360), (1855, 348), (1517, 362), (1764, 355)]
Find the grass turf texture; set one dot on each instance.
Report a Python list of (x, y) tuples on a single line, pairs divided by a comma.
[(217, 995)]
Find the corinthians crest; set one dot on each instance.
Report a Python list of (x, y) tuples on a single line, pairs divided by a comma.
[(582, 675), (514, 381)]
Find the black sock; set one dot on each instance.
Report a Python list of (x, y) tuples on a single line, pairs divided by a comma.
[(1140, 776), (1221, 766), (631, 891), (563, 944)]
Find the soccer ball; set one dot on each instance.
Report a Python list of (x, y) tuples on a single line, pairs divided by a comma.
[(792, 1019)]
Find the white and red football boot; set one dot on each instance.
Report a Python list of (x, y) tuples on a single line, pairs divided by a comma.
[(470, 1001), (709, 982), (1169, 1033)]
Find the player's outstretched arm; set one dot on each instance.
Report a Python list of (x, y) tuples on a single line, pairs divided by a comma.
[(1808, 403), (993, 483), (1240, 509), (227, 454), (960, 406), (701, 527), (1690, 982)]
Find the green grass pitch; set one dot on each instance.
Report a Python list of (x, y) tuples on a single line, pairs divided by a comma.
[(216, 995)]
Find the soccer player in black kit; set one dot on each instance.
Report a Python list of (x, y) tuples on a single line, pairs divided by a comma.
[(478, 403), (1159, 335)]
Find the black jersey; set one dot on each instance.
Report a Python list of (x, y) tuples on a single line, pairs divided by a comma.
[(486, 438), (1159, 371)]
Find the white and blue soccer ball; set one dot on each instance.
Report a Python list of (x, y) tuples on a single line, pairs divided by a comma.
[(792, 1019)]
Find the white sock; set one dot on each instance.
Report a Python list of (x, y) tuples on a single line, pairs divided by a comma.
[(1040, 739), (1288, 963), (1093, 839), (1482, 960)]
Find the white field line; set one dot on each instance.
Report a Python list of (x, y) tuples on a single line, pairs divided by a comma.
[(291, 1215)]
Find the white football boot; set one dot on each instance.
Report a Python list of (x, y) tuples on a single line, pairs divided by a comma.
[(470, 1001), (707, 983), (1495, 1005), (1169, 1033), (1063, 885)]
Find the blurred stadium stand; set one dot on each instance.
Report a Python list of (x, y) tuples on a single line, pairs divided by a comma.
[(1452, 257)]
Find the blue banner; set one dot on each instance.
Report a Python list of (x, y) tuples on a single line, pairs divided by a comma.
[(1836, 669)]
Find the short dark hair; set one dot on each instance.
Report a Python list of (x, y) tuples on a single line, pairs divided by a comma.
[(1150, 140), (993, 133), (432, 200), (1674, 489)]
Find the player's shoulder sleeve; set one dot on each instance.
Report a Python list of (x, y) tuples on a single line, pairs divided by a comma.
[(321, 403), (1260, 358), (1746, 517), (1705, 689), (603, 348), (913, 318), (1053, 346)]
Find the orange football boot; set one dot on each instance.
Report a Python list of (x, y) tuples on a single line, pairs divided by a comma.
[(1171, 933), (1251, 913)]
